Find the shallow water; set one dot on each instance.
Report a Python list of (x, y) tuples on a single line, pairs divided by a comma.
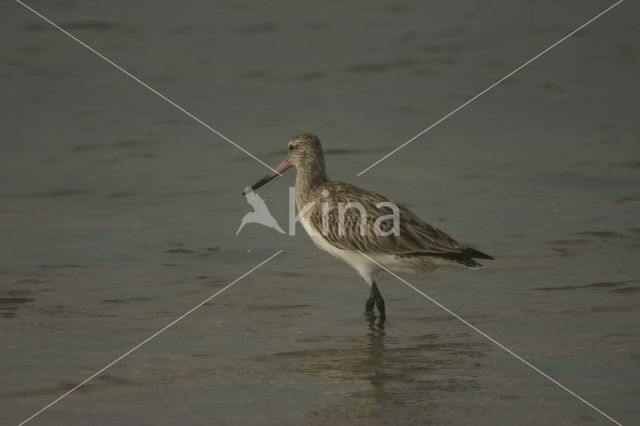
[(118, 213)]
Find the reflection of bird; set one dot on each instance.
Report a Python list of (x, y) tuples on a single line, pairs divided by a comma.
[(416, 247), (260, 214)]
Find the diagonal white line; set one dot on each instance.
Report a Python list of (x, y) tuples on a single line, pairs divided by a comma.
[(97, 373), (128, 74), (496, 342), (492, 86)]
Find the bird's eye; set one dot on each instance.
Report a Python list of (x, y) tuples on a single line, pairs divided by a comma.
[(290, 147)]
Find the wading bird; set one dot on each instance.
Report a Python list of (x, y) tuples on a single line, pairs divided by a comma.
[(345, 221)]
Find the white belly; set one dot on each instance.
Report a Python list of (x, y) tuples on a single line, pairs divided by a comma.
[(366, 268)]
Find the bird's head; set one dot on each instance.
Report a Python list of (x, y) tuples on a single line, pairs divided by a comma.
[(304, 151)]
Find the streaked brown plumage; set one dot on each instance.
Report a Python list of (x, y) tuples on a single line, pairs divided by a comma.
[(417, 247)]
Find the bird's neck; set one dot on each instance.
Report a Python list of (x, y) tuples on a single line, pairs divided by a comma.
[(307, 179)]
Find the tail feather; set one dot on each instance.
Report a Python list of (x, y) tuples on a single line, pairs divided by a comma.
[(476, 254), (465, 258)]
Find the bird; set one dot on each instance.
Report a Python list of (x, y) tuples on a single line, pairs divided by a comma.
[(364, 229)]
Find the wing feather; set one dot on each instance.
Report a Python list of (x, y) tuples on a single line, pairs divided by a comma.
[(415, 235)]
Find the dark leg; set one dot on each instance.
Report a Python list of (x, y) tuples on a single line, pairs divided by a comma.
[(370, 301), (379, 302)]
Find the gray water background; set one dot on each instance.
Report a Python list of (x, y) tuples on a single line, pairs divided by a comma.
[(118, 213)]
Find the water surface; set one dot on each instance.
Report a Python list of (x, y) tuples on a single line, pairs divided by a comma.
[(118, 213)]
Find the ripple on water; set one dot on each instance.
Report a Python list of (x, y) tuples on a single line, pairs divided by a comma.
[(9, 306), (125, 300), (376, 371), (126, 144), (606, 285), (89, 24), (102, 382)]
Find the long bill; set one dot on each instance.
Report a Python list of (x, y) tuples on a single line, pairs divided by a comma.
[(278, 171)]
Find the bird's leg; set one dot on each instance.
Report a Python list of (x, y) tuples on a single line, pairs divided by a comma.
[(379, 302), (370, 301)]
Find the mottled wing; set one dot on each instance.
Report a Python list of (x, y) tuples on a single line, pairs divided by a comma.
[(414, 234)]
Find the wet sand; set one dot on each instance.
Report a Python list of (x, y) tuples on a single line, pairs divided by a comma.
[(118, 213)]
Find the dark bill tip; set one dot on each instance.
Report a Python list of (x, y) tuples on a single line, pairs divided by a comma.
[(259, 183)]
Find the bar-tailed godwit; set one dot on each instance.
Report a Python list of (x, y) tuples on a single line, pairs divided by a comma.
[(350, 222)]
